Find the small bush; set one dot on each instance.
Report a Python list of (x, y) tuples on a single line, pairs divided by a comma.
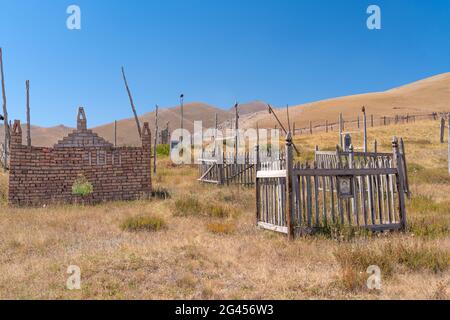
[(188, 206), (221, 228), (218, 211), (163, 150), (143, 223), (82, 187), (191, 206)]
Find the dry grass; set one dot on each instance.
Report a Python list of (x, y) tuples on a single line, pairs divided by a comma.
[(211, 248)]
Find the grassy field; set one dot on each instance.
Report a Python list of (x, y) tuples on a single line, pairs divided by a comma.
[(202, 243)]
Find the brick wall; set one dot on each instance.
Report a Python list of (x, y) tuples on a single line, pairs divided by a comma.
[(45, 175)]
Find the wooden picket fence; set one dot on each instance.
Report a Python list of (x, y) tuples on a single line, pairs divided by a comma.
[(232, 169), (298, 199), (345, 159)]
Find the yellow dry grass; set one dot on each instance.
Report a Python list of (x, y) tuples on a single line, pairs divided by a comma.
[(190, 259)]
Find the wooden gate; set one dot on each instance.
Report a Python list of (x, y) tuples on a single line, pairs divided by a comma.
[(303, 199)]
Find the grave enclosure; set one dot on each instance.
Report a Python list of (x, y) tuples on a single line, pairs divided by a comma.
[(41, 175)]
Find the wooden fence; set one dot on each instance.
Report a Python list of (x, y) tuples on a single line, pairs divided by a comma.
[(232, 169), (372, 121), (345, 159), (301, 199)]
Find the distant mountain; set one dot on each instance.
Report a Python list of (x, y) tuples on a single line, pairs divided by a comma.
[(424, 96)]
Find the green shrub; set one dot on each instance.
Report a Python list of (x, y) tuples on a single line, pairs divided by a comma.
[(163, 150), (143, 223), (188, 206), (191, 206), (82, 187)]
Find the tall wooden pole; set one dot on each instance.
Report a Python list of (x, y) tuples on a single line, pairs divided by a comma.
[(448, 123), (138, 125), (441, 136), (156, 140), (365, 129), (181, 115), (115, 133), (27, 85), (340, 129), (236, 127), (5, 112), (215, 134)]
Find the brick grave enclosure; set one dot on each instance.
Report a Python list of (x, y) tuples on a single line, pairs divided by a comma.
[(41, 176)]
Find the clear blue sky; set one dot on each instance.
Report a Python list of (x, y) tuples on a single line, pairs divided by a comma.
[(215, 51)]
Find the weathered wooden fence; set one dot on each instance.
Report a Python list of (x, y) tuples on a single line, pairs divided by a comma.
[(345, 159), (232, 169), (299, 199)]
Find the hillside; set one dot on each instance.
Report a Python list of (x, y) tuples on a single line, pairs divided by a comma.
[(428, 95), (424, 96)]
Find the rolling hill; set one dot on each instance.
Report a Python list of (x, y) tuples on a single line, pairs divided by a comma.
[(424, 96)]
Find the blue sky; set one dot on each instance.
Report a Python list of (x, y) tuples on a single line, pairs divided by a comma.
[(214, 51)]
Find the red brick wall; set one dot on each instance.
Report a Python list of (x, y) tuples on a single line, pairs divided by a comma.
[(45, 175)]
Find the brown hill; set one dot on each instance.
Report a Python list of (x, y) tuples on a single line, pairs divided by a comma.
[(425, 96)]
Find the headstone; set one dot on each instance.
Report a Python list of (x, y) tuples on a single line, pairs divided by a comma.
[(347, 142)]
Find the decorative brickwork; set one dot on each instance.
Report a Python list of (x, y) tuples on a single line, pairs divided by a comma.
[(45, 175)]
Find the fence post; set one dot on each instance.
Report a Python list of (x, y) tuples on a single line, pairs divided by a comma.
[(399, 181), (448, 123), (405, 167), (293, 129), (442, 129), (340, 129), (375, 146), (371, 120), (289, 198), (310, 127), (365, 129), (257, 167), (326, 124)]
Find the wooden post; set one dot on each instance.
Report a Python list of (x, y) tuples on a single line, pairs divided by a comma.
[(257, 168), (27, 85), (115, 133), (310, 127), (236, 127), (181, 116), (138, 125), (156, 140), (448, 132), (340, 129), (326, 126), (358, 123), (293, 129), (216, 125), (441, 137), (400, 182), (289, 194), (371, 120), (375, 146), (405, 167), (5, 113), (365, 129)]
